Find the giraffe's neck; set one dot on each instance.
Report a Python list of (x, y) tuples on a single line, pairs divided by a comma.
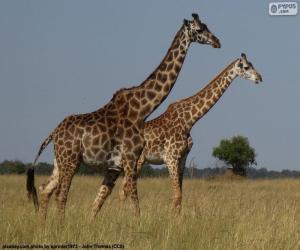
[(145, 98), (159, 84), (196, 106)]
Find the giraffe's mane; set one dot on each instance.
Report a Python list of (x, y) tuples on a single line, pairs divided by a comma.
[(152, 74), (170, 48)]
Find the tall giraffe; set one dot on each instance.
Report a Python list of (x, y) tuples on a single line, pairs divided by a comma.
[(167, 138), (112, 135)]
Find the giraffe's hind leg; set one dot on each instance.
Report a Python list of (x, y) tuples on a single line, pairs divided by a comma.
[(57, 192), (66, 173), (105, 189), (109, 180), (47, 189), (122, 194)]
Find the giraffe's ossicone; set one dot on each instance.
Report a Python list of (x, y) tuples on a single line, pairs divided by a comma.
[(112, 136)]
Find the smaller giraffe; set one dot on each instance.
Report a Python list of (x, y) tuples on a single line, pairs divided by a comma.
[(167, 138)]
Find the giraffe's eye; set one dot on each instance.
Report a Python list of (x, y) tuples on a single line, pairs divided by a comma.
[(247, 67)]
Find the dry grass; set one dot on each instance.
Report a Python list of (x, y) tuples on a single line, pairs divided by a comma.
[(217, 214)]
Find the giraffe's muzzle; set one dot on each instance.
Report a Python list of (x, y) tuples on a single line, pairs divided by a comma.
[(216, 43), (258, 78)]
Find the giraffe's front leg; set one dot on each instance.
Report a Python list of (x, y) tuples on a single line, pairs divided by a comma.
[(183, 159), (174, 172), (181, 170), (123, 194), (131, 183)]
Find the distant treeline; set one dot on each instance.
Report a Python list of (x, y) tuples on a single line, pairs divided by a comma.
[(18, 167)]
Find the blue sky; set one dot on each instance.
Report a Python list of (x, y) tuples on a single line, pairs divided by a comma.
[(64, 57)]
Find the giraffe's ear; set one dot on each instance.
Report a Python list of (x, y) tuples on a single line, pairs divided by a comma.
[(185, 22)]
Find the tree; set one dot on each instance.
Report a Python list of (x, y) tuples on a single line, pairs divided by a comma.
[(237, 153)]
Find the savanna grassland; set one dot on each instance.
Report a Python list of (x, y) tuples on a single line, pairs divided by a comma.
[(216, 214)]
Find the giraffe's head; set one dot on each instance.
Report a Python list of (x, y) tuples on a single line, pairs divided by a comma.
[(196, 31), (245, 69)]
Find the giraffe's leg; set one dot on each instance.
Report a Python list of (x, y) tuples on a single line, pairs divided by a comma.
[(57, 192), (131, 183), (140, 163), (123, 192), (183, 160), (174, 172), (181, 170), (47, 189), (105, 189), (66, 173)]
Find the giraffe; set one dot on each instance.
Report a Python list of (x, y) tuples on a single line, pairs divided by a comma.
[(167, 137), (112, 135)]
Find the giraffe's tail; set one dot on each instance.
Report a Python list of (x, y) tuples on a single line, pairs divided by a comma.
[(31, 190)]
